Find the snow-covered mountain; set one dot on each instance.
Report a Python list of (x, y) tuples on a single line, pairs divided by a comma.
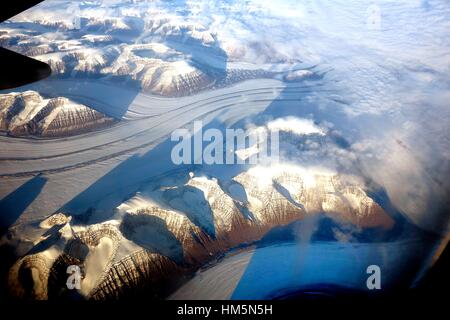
[(168, 230), (142, 46), (28, 113)]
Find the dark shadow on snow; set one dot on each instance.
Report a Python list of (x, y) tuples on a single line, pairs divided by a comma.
[(15, 203)]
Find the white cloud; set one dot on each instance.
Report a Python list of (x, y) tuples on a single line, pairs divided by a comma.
[(295, 125)]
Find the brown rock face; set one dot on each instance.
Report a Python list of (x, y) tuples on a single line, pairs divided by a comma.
[(163, 234), (28, 114)]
